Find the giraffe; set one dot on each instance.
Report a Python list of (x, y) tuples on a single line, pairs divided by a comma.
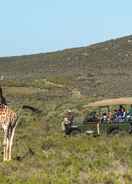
[(8, 122)]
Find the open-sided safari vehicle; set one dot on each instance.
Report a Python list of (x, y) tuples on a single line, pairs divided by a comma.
[(106, 120)]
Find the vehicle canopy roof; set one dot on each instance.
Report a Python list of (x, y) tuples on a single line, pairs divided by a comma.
[(109, 102)]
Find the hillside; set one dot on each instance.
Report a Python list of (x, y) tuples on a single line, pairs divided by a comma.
[(103, 69), (52, 83)]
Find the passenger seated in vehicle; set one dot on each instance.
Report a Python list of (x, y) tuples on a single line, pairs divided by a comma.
[(121, 114), (114, 114), (124, 113), (104, 118), (121, 108), (109, 116)]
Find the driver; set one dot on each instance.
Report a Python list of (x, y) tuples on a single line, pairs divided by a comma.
[(68, 122), (70, 116)]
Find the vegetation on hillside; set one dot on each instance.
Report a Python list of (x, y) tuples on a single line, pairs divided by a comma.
[(100, 70), (53, 83), (42, 154)]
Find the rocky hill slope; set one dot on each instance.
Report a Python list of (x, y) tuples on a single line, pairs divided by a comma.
[(102, 69)]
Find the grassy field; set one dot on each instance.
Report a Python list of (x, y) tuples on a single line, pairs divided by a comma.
[(43, 155), (56, 159)]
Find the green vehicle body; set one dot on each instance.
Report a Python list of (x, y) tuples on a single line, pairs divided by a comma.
[(101, 128), (108, 127)]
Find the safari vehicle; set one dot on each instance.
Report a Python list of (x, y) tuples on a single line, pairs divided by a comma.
[(100, 123)]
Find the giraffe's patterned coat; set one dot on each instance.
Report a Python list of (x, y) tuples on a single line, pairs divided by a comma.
[(8, 119)]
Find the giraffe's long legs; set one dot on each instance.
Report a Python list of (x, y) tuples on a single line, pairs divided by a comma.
[(5, 144), (4, 153), (7, 149), (8, 141), (11, 141)]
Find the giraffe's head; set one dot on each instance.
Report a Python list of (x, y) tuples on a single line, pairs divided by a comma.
[(3, 108)]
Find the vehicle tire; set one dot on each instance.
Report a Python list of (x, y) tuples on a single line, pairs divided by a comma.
[(114, 131), (75, 132), (130, 131)]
